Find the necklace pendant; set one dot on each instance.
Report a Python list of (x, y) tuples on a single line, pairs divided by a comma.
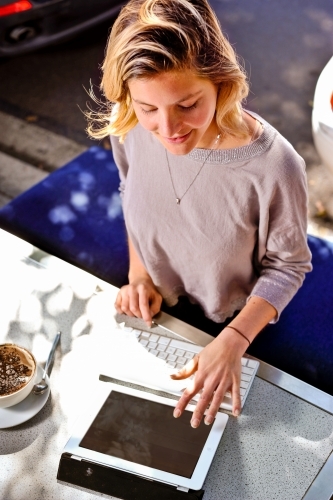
[(178, 201)]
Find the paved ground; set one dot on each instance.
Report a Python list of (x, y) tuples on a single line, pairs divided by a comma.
[(28, 153), (284, 46)]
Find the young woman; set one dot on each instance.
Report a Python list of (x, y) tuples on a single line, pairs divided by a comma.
[(214, 198)]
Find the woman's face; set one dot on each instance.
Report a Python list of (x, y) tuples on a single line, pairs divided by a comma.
[(178, 108)]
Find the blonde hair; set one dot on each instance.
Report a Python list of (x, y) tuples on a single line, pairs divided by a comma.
[(152, 36)]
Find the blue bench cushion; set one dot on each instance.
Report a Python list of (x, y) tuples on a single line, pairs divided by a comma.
[(75, 214)]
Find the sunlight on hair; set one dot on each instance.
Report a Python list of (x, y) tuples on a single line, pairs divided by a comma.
[(153, 36)]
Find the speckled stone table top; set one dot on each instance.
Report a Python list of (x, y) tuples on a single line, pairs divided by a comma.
[(274, 450)]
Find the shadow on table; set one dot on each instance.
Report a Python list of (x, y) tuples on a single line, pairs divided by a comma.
[(21, 436)]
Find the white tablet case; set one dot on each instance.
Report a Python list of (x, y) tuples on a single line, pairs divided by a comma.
[(76, 457)]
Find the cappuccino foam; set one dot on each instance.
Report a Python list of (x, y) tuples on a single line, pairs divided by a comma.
[(17, 366)]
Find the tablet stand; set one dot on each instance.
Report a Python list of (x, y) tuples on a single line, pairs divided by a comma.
[(117, 483)]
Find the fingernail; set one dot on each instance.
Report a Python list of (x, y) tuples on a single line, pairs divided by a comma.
[(176, 413), (236, 413), (208, 420), (195, 423)]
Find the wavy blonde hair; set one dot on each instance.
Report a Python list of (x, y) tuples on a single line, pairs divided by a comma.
[(152, 36)]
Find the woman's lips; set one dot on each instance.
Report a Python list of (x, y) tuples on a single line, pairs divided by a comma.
[(177, 140)]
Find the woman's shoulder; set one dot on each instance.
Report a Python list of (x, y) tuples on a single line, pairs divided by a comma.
[(278, 147)]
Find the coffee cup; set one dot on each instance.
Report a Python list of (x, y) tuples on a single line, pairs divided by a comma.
[(18, 370)]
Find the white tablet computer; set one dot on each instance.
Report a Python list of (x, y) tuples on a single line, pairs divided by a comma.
[(135, 431)]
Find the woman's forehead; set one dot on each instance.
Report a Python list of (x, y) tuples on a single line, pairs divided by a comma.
[(178, 86)]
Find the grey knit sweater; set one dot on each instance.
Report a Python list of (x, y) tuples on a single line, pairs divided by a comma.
[(239, 231)]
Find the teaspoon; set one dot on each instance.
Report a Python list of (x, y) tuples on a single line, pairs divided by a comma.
[(41, 387)]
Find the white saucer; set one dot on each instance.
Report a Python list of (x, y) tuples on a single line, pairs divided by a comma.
[(26, 409)]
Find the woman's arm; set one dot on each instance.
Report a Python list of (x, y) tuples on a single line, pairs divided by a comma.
[(140, 297), (217, 367)]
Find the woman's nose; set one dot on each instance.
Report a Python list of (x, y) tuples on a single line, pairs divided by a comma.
[(169, 124)]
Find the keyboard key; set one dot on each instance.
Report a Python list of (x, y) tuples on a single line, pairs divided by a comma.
[(171, 363), (242, 391), (246, 370), (251, 363), (161, 347), (182, 360), (162, 355), (152, 345), (144, 335), (180, 352), (143, 342), (172, 357), (246, 378), (164, 340), (153, 352), (170, 350), (179, 366), (243, 384), (244, 362), (154, 337), (137, 333), (189, 355)]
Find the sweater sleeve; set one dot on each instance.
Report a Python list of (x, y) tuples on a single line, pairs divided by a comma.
[(283, 254)]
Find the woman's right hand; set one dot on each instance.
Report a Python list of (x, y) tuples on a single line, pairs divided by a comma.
[(140, 299)]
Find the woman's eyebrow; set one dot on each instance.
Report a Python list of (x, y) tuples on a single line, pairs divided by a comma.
[(194, 94), (141, 102), (189, 96)]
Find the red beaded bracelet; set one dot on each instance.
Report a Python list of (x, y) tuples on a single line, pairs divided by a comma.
[(240, 333)]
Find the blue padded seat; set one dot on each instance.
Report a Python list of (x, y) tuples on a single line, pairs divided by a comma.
[(75, 214)]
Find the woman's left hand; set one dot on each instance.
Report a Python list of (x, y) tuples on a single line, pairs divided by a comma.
[(216, 369)]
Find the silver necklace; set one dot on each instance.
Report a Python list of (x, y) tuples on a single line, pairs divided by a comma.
[(179, 198)]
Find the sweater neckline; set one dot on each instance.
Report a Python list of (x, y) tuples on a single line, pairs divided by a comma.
[(255, 148)]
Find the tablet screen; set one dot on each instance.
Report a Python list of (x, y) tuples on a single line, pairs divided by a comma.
[(145, 432)]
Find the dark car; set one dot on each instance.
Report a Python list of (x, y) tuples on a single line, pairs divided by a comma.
[(27, 25)]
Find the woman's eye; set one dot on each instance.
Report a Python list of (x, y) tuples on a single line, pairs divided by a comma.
[(189, 108), (147, 111), (183, 108)]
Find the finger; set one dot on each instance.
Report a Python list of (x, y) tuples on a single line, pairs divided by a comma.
[(188, 370), (192, 388), (236, 399), (124, 303), (117, 303), (215, 405), (205, 398), (155, 304), (134, 305), (144, 307), (202, 404), (210, 400)]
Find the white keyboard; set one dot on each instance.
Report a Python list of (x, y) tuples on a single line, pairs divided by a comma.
[(176, 353)]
